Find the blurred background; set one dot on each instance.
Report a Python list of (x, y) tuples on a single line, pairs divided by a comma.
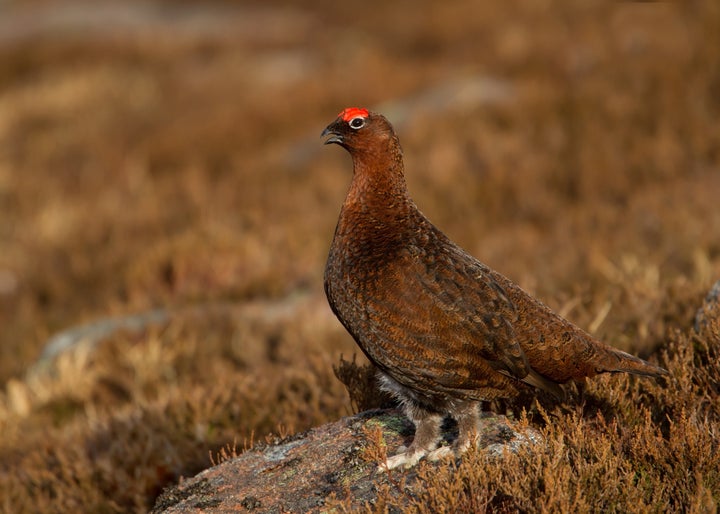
[(162, 177)]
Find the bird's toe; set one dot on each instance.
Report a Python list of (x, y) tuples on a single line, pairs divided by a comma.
[(405, 460), (441, 453)]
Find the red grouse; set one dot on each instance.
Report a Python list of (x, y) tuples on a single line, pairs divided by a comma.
[(443, 329)]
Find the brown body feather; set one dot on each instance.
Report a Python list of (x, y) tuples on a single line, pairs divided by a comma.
[(445, 330)]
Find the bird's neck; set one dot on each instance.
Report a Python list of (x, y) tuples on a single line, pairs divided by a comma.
[(377, 213), (378, 181)]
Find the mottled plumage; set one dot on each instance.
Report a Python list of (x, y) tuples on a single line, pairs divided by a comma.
[(444, 330)]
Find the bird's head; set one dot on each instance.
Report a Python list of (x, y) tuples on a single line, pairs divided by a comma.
[(359, 131)]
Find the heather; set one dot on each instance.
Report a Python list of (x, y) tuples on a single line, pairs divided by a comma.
[(167, 156)]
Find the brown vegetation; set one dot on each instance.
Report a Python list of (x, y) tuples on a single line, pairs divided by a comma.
[(172, 160)]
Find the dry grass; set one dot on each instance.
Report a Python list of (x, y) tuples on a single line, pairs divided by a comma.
[(177, 165)]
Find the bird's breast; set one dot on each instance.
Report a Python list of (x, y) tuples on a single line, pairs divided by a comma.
[(363, 261)]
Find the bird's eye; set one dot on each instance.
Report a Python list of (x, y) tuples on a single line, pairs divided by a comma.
[(357, 123)]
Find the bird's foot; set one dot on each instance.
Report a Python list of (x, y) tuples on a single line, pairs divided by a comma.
[(442, 453), (408, 459)]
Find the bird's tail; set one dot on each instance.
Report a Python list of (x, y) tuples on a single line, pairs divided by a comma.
[(620, 362)]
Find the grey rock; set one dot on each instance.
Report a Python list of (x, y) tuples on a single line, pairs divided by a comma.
[(300, 473)]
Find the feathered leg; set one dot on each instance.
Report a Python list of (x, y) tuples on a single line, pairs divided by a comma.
[(427, 436), (468, 419)]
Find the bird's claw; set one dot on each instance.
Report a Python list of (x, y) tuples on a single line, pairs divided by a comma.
[(408, 459), (405, 460)]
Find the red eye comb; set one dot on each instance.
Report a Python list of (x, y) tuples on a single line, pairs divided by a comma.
[(352, 112)]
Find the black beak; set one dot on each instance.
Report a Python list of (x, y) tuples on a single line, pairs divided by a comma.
[(336, 136)]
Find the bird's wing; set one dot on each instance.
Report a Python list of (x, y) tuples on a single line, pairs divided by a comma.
[(447, 318)]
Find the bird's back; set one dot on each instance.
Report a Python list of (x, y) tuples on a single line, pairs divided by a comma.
[(560, 350)]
